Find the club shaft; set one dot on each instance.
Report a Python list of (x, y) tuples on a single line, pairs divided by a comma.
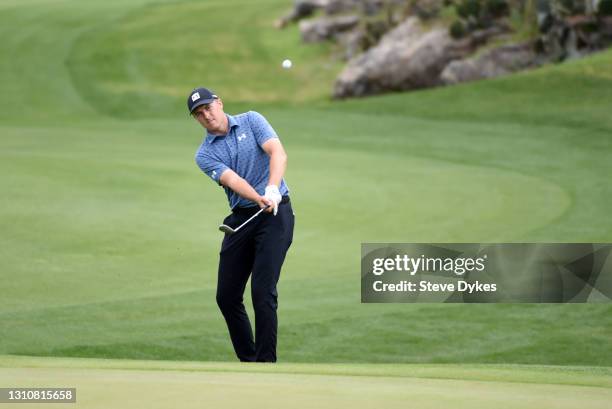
[(250, 218)]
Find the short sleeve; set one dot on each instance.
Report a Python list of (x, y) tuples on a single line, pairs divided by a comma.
[(214, 168), (261, 127)]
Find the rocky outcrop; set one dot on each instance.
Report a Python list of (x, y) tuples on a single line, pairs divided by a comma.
[(387, 51), (493, 63), (408, 57)]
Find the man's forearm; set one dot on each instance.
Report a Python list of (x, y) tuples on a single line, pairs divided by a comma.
[(278, 165), (240, 186)]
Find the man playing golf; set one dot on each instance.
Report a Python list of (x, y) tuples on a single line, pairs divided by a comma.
[(243, 154)]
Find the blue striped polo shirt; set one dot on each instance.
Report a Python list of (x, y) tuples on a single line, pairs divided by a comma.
[(240, 150)]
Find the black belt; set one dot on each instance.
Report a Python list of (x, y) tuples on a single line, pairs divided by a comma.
[(254, 209)]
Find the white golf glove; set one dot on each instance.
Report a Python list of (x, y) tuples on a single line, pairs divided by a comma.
[(273, 194)]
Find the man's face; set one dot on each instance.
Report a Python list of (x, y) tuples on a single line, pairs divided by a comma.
[(210, 116)]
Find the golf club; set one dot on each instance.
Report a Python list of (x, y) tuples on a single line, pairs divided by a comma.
[(227, 229)]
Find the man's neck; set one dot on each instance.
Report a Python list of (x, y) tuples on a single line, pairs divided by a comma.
[(223, 130)]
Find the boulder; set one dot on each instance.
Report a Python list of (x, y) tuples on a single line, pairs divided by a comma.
[(427, 9), (325, 28), (407, 57), (352, 42), (493, 63), (605, 27), (301, 9), (306, 8)]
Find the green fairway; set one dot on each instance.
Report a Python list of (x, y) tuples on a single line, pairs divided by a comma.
[(110, 243), (147, 384)]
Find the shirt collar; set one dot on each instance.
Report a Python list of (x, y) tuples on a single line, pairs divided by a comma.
[(231, 123)]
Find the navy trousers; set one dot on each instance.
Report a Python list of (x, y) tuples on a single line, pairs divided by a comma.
[(257, 250)]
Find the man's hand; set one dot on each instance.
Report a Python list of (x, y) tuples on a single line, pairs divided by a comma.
[(273, 195), (263, 202)]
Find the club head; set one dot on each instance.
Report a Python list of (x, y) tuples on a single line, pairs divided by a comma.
[(226, 229)]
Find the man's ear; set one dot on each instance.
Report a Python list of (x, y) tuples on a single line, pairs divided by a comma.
[(220, 102)]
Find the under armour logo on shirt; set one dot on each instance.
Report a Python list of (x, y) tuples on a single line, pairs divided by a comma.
[(241, 137)]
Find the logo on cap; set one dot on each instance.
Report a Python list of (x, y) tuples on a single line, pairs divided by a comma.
[(195, 96)]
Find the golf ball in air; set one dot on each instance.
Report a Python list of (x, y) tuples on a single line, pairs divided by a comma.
[(287, 64)]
